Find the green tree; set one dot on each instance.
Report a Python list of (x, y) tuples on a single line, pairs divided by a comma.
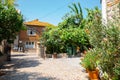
[(9, 3), (75, 37), (51, 39), (74, 26), (74, 18), (69, 33), (93, 26), (11, 22), (77, 10)]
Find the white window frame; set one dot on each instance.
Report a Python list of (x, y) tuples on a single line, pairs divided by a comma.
[(31, 32), (30, 44)]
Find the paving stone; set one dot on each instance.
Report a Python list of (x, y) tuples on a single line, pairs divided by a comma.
[(28, 66)]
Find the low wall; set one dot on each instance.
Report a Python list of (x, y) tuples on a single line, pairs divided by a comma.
[(61, 55)]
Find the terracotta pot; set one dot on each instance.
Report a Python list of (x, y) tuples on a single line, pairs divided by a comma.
[(87, 70), (85, 52), (54, 55), (94, 75)]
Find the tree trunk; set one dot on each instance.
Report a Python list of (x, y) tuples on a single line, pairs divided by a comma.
[(6, 49), (3, 43)]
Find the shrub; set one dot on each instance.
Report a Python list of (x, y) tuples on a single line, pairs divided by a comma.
[(90, 60)]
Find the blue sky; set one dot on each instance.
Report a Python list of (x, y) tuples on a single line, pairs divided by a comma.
[(51, 11)]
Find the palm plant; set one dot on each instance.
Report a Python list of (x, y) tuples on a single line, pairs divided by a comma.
[(9, 3), (77, 10)]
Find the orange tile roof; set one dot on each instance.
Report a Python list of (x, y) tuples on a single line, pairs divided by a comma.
[(37, 23)]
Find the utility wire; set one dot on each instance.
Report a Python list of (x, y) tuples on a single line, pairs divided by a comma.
[(55, 11)]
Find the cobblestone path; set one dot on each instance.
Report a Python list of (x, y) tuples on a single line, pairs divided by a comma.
[(28, 66)]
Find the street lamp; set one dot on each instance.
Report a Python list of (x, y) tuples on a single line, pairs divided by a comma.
[(77, 21)]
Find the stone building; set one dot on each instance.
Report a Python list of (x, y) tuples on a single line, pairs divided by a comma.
[(30, 37), (110, 10)]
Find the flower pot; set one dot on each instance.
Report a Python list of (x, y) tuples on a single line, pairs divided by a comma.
[(54, 55), (87, 70), (94, 75), (85, 52)]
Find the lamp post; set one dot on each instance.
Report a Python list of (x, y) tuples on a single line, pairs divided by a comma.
[(77, 21)]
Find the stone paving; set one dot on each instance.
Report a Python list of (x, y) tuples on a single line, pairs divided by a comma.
[(28, 66)]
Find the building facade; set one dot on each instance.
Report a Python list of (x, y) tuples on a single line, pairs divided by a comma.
[(110, 10), (30, 37)]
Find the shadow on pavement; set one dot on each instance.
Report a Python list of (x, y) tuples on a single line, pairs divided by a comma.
[(23, 63), (16, 55), (26, 76), (18, 62)]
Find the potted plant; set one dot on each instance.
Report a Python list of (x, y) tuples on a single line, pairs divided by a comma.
[(110, 53), (54, 55), (90, 63)]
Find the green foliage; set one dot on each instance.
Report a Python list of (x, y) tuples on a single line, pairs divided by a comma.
[(11, 22), (51, 39), (110, 57), (73, 32), (92, 15), (91, 59), (77, 10), (9, 3), (94, 26), (74, 18), (68, 33), (74, 36), (61, 38), (107, 40)]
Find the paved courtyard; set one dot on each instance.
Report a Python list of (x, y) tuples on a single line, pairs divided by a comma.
[(28, 66)]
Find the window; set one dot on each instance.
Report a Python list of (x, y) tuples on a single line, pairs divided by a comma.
[(30, 45), (31, 32), (26, 43)]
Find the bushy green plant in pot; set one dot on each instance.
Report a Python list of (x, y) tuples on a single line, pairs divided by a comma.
[(110, 57), (107, 39), (90, 63)]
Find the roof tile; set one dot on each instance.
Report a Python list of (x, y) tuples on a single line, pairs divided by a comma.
[(36, 22)]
